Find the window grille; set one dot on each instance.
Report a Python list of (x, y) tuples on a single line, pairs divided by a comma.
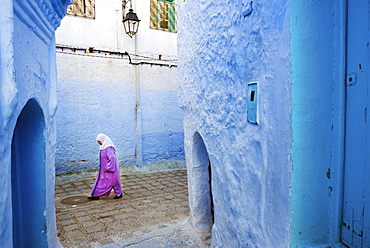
[(83, 8), (163, 15)]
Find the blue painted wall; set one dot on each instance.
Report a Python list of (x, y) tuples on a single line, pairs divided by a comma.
[(87, 108), (162, 125), (220, 53), (278, 183), (27, 130), (317, 41), (100, 95), (101, 92)]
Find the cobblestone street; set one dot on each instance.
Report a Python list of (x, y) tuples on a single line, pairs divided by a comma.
[(153, 212)]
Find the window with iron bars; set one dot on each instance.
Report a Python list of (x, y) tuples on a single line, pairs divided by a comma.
[(163, 15), (83, 8)]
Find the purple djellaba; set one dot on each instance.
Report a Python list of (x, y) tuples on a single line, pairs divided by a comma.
[(108, 177)]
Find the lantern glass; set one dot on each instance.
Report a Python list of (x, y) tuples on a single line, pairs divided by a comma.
[(131, 23)]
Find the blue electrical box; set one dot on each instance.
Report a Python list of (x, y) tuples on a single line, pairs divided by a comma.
[(252, 103)]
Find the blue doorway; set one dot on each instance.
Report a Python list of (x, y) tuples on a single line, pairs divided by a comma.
[(28, 178), (355, 230)]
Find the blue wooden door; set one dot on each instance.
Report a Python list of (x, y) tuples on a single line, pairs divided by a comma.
[(355, 231)]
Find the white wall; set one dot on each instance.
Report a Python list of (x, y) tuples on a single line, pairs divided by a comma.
[(106, 31)]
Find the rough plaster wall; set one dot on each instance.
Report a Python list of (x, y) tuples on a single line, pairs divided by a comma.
[(8, 99), (220, 52), (98, 95), (27, 71), (33, 81)]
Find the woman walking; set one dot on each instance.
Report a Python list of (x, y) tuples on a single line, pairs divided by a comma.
[(108, 177)]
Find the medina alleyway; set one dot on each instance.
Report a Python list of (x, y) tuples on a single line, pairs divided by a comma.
[(152, 213)]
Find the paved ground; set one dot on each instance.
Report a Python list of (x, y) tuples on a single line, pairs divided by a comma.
[(152, 213)]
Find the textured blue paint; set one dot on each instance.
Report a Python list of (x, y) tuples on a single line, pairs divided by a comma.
[(27, 62), (293, 158), (220, 53)]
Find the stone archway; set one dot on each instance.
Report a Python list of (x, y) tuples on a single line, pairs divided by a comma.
[(28, 178), (200, 188)]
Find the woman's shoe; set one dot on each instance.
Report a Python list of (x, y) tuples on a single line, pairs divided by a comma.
[(117, 197), (93, 197)]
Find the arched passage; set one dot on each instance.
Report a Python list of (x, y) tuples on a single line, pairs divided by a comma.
[(201, 182), (28, 178)]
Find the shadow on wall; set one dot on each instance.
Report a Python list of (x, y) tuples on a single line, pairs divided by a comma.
[(201, 202), (28, 178)]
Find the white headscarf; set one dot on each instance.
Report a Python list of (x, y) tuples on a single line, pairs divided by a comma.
[(105, 140)]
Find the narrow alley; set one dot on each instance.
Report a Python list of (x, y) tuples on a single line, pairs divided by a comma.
[(152, 213)]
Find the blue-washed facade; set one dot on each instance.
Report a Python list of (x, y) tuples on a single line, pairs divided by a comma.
[(275, 100), (134, 100), (28, 104)]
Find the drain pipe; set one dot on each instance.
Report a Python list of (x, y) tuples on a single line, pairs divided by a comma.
[(138, 148)]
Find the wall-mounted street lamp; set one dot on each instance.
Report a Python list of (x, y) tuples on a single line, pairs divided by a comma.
[(130, 21)]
